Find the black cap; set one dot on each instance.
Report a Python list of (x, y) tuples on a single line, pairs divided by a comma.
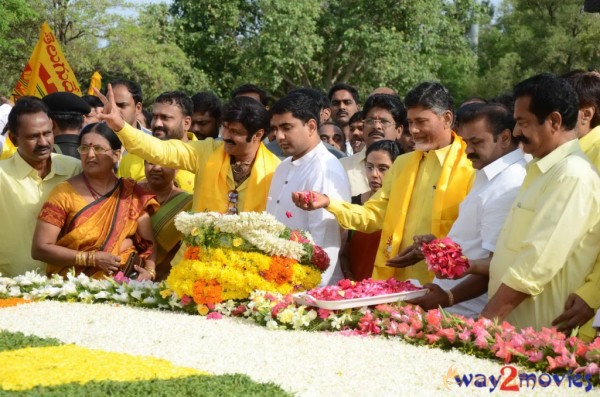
[(66, 103)]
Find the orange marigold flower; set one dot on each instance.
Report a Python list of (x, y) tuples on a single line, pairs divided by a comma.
[(192, 253), (207, 292), (280, 271), (9, 302)]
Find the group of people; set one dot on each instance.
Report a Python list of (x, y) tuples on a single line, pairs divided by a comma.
[(513, 180)]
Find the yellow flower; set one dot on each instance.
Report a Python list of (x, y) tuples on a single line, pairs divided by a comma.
[(203, 310), (165, 293), (27, 368), (286, 316), (237, 242), (195, 232)]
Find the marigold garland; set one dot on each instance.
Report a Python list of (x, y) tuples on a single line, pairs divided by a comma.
[(238, 273), (207, 292), (10, 302)]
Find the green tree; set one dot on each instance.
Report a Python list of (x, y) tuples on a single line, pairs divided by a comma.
[(367, 43), (19, 27), (530, 37)]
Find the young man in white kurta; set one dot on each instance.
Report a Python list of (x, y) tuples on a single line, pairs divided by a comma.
[(310, 167)]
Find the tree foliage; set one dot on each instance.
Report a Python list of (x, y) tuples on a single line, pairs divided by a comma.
[(367, 43), (110, 36), (533, 36), (219, 44)]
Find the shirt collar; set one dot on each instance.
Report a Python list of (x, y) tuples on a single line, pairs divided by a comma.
[(440, 154), (552, 158), (310, 155), (24, 169), (499, 165), (589, 139)]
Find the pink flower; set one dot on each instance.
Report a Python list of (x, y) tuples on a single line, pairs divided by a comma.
[(277, 308), (434, 318), (444, 257), (288, 214), (448, 333), (320, 259), (120, 278), (214, 316), (431, 339), (185, 300), (324, 313)]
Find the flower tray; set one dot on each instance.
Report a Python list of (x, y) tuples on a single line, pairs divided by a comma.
[(303, 298)]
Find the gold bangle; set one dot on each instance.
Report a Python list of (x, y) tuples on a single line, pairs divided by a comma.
[(78, 258), (450, 297), (152, 273), (93, 259)]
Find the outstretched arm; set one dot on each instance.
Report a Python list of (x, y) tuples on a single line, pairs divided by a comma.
[(171, 153)]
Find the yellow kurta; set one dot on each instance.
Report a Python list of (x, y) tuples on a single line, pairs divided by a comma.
[(420, 195), (132, 166), (590, 290), (22, 194), (549, 242), (194, 157)]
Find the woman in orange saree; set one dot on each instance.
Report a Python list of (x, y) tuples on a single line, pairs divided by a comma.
[(94, 221)]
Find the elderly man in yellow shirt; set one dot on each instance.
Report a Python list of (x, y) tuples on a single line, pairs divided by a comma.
[(232, 175), (420, 193), (171, 119), (549, 242), (26, 179), (582, 304)]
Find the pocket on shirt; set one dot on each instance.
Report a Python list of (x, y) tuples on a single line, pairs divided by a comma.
[(521, 222)]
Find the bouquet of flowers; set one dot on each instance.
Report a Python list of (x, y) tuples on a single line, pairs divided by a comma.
[(229, 256), (444, 257)]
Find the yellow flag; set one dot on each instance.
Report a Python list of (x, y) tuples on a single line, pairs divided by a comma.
[(47, 70), (95, 82)]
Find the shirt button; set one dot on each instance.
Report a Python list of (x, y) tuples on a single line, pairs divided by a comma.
[(277, 201), (286, 182)]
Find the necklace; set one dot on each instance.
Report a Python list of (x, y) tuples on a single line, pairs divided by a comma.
[(161, 202), (95, 194), (241, 171)]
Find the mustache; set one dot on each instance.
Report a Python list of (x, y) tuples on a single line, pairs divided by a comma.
[(41, 148), (472, 156), (523, 139), (155, 129), (231, 142)]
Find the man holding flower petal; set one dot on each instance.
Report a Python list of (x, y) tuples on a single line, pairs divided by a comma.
[(500, 164), (421, 192)]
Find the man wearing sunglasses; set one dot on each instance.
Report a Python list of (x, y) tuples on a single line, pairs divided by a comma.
[(232, 175)]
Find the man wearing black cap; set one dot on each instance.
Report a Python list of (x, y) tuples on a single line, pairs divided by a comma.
[(66, 111)]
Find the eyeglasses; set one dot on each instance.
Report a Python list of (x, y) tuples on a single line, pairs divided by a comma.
[(85, 149), (232, 196), (373, 122)]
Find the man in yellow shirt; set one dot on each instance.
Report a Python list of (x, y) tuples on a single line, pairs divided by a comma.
[(232, 175), (26, 180), (420, 194), (582, 304), (171, 119), (549, 242)]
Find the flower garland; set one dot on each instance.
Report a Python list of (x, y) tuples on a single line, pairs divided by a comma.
[(546, 350), (229, 256)]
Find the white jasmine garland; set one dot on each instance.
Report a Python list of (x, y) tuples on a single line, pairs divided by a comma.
[(261, 230)]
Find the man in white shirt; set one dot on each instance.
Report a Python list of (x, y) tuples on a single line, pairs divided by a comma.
[(500, 164), (310, 167), (384, 118)]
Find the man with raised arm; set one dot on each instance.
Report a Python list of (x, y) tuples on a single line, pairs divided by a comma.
[(232, 175), (420, 194)]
